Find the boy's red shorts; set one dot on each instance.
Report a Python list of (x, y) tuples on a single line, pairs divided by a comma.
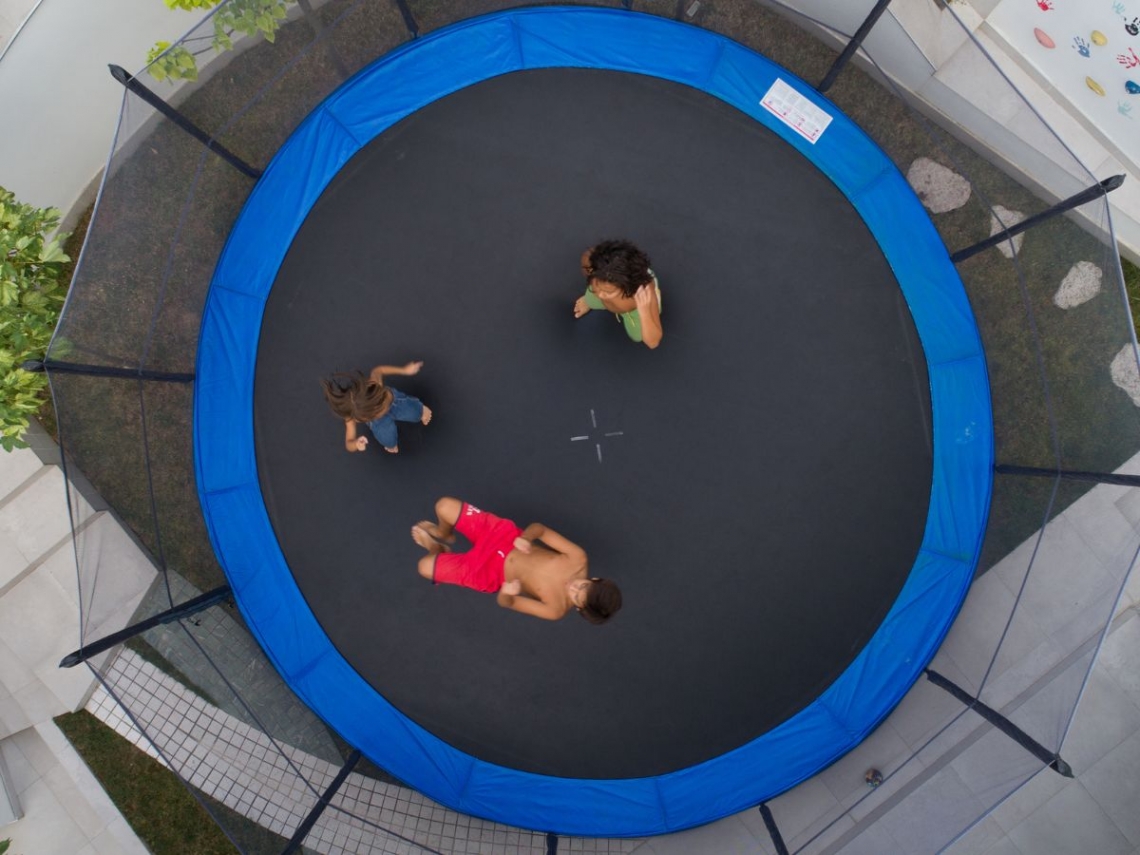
[(481, 567)]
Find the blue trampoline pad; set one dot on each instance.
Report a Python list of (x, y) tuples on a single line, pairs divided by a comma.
[(268, 454)]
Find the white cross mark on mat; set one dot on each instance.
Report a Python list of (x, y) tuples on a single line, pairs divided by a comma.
[(597, 444)]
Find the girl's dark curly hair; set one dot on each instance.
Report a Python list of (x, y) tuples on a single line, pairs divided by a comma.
[(619, 262)]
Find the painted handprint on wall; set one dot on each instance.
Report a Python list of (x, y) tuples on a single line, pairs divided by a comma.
[(1045, 5), (1130, 59), (1081, 46), (1133, 28)]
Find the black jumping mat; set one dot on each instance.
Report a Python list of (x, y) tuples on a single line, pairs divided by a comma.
[(758, 485)]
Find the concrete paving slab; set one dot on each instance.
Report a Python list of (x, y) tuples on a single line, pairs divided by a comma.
[(1114, 782), (729, 836), (875, 840), (39, 702), (864, 805), (1027, 800), (14, 674), (926, 709), (994, 766), (981, 627), (1105, 718), (125, 574), (1118, 657), (934, 813), (1128, 506), (38, 523), (13, 562), (61, 834), (33, 605), (1070, 823), (798, 808), (980, 840), (16, 466), (1064, 580), (13, 718), (821, 837), (884, 750), (1098, 519)]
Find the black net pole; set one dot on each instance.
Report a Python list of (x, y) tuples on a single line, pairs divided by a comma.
[(1087, 195), (136, 88), (551, 843), (307, 824), (1070, 475), (318, 29), (409, 18), (1050, 758), (773, 830), (52, 366), (199, 603), (853, 45)]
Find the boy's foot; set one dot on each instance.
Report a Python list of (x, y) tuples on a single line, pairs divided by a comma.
[(433, 532), (426, 417), (425, 539), (395, 449)]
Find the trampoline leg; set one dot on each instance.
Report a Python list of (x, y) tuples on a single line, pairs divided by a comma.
[(1086, 195), (853, 45), (309, 821), (551, 843), (1052, 759), (135, 88), (409, 18), (773, 831)]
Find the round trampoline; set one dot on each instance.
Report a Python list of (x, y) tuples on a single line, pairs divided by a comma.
[(791, 490)]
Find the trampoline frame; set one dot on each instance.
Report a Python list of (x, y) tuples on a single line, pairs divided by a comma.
[(275, 610)]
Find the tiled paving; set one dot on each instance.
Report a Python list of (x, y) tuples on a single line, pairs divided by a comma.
[(276, 785)]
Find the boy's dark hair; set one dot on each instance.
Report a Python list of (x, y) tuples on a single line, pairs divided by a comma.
[(352, 395), (603, 600), (620, 262)]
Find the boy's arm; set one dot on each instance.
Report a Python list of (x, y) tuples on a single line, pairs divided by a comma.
[(534, 608), (650, 314), (537, 531), (381, 371), (352, 442)]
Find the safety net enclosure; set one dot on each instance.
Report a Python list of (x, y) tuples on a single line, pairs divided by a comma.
[(134, 368)]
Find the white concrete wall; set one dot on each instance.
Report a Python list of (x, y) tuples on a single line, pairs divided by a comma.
[(58, 102)]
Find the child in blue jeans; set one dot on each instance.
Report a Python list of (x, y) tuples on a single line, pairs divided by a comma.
[(356, 399)]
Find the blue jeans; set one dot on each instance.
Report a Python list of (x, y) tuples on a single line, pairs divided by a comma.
[(404, 408)]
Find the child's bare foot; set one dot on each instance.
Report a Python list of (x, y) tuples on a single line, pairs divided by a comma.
[(395, 449), (434, 533), (580, 307), (426, 417), (428, 541)]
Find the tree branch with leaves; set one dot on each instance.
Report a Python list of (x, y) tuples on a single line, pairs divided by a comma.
[(31, 297), (236, 17)]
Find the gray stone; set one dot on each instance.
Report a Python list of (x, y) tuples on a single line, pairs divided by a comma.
[(1004, 218), (1125, 374), (1080, 285), (939, 188)]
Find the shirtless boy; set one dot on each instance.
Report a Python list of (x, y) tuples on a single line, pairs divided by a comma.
[(543, 582)]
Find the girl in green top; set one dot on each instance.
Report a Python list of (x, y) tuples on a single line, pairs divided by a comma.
[(619, 280)]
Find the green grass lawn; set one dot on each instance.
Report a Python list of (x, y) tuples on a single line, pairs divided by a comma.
[(1132, 283), (158, 807)]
